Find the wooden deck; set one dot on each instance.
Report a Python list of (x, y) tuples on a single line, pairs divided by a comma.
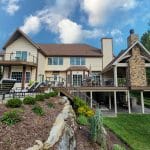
[(17, 63), (99, 89)]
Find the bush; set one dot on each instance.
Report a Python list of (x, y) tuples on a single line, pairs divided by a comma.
[(96, 129), (29, 100), (82, 120), (53, 94), (38, 110), (85, 110), (118, 147), (78, 102), (47, 95), (89, 113), (14, 103), (50, 105), (39, 97), (11, 117)]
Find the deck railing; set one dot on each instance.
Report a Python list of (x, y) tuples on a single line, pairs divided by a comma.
[(15, 57), (107, 82)]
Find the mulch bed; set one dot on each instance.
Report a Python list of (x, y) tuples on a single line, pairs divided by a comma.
[(32, 127), (84, 142), (83, 139)]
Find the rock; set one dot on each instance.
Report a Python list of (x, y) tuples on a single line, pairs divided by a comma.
[(38, 146)]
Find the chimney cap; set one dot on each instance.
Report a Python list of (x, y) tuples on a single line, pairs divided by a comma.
[(131, 31)]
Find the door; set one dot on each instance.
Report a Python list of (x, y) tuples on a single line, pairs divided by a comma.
[(77, 79)]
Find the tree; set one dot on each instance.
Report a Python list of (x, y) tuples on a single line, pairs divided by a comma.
[(145, 39)]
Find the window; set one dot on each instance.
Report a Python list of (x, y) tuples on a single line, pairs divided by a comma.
[(55, 61), (17, 76), (28, 77), (77, 61), (21, 55)]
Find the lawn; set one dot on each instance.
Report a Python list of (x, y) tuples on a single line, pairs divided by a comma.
[(132, 129)]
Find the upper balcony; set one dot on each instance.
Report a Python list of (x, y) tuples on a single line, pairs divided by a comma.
[(17, 59)]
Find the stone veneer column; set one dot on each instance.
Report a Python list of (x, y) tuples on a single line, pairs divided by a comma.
[(137, 71)]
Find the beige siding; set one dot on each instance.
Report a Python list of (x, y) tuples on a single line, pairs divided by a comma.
[(21, 44), (94, 62), (107, 48), (41, 66)]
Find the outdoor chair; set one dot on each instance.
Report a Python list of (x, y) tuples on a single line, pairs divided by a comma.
[(6, 86), (32, 89)]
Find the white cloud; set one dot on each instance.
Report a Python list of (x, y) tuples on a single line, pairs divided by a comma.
[(11, 6), (117, 35), (31, 24), (55, 18), (99, 11), (70, 32)]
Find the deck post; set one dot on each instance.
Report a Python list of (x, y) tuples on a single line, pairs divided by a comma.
[(109, 100), (129, 103), (142, 102), (91, 99), (115, 76), (115, 102)]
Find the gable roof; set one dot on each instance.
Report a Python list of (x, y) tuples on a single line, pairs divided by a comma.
[(57, 49), (70, 50), (123, 53), (18, 33)]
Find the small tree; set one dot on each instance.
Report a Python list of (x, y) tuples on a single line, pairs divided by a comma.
[(97, 129)]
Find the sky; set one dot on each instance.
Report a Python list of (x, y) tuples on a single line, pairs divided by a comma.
[(74, 21)]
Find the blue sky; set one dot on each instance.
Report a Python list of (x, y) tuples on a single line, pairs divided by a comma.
[(74, 21)]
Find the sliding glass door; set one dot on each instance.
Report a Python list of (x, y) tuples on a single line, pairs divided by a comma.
[(77, 79)]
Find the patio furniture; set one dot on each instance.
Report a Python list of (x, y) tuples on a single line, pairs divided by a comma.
[(5, 86), (35, 87)]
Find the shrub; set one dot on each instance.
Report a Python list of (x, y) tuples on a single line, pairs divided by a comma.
[(96, 128), (118, 147), (38, 110), (53, 94), (29, 100), (81, 110), (89, 113), (85, 110), (14, 103), (78, 102), (39, 97), (11, 117), (50, 105), (47, 95), (82, 120)]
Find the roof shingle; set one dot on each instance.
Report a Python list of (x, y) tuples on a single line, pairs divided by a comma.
[(70, 50)]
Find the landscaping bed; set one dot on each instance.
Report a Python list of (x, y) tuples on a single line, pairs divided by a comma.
[(31, 127), (132, 129)]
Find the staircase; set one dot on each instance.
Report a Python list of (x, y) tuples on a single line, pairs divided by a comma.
[(64, 91), (92, 103)]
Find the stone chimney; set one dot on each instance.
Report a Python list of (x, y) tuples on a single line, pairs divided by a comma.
[(132, 38), (107, 49)]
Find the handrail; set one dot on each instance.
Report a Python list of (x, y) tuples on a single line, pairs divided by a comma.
[(13, 57)]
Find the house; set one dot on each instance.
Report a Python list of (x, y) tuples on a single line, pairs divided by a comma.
[(93, 71)]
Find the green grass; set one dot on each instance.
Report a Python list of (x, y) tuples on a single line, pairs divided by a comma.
[(132, 129)]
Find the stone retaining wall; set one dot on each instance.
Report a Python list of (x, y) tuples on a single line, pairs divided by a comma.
[(61, 135)]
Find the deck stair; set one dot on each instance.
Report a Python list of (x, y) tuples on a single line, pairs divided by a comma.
[(65, 91)]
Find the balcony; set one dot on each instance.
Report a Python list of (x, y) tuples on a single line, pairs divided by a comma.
[(15, 59)]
